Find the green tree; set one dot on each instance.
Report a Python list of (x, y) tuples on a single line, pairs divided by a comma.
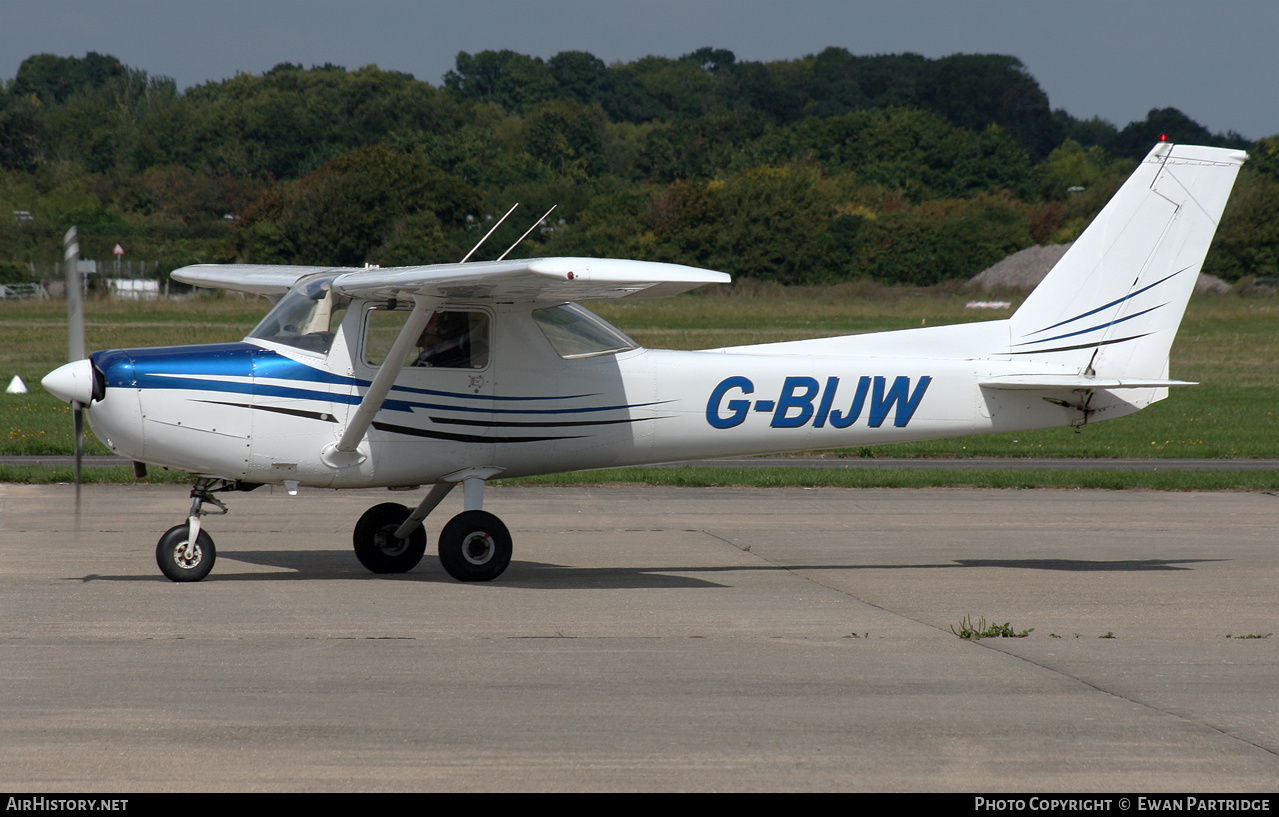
[(372, 202), (1070, 168), (53, 80), (580, 76), (908, 149), (1247, 241), (976, 91), (22, 136), (942, 240), (512, 80), (566, 137), (697, 148), (1136, 140), (1264, 157), (770, 217)]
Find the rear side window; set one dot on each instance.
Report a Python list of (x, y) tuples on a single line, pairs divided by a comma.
[(576, 333)]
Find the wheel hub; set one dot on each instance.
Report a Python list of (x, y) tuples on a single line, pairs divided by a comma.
[(388, 543), (478, 548), (187, 558)]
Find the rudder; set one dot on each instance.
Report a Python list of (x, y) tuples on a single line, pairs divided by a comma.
[(1111, 306)]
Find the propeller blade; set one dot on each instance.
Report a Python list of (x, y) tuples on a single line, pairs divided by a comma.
[(75, 296), (75, 342), (77, 419)]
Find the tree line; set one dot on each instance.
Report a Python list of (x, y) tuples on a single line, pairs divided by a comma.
[(826, 168)]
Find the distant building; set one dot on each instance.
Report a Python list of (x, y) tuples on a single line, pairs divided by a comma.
[(134, 289)]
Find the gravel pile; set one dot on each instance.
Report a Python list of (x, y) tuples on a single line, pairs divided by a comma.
[(1021, 270), (1024, 270)]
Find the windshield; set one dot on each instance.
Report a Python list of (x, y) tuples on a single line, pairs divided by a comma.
[(575, 333), (306, 318)]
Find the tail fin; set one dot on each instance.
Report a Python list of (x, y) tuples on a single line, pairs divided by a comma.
[(1112, 304)]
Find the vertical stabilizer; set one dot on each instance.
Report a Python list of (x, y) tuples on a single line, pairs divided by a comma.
[(1111, 306)]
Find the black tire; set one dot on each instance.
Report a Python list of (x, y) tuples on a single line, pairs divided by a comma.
[(475, 547), (376, 546), (169, 554)]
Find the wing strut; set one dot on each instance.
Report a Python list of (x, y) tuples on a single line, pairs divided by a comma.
[(344, 453)]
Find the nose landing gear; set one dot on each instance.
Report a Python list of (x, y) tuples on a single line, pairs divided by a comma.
[(185, 553)]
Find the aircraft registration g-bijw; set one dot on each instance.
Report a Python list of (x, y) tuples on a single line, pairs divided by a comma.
[(459, 373)]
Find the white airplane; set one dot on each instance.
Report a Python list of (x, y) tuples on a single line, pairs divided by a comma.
[(459, 373)]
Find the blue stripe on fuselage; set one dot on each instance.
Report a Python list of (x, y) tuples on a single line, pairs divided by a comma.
[(172, 367)]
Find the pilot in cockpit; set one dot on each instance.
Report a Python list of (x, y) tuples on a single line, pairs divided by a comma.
[(445, 342)]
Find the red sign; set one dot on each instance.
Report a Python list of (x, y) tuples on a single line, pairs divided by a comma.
[(118, 250)]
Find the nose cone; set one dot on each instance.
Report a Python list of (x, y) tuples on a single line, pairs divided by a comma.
[(72, 382)]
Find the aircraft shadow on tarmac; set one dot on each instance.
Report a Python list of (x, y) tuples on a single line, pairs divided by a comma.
[(1087, 565), (334, 565)]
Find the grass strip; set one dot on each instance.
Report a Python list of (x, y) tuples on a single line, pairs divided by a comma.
[(702, 477), (54, 474)]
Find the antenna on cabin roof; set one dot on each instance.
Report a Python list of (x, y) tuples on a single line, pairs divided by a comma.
[(526, 232), (490, 232)]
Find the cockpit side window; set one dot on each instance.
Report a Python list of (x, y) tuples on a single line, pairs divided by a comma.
[(576, 333), (307, 318), (452, 339)]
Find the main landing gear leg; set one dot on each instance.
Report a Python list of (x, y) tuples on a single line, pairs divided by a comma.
[(185, 553)]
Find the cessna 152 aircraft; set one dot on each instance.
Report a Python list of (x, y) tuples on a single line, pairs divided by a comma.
[(458, 373)]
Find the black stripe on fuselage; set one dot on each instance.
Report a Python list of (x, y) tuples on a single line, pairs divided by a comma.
[(435, 435), (518, 424), (310, 415), (462, 438)]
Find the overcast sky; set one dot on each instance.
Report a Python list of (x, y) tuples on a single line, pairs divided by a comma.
[(1216, 60)]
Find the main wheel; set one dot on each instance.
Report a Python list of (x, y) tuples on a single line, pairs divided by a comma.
[(376, 546), (475, 547), (174, 561)]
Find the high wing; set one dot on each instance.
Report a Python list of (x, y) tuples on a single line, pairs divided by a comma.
[(258, 279), (529, 279)]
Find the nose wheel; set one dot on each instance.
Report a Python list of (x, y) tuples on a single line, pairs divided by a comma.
[(180, 559)]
